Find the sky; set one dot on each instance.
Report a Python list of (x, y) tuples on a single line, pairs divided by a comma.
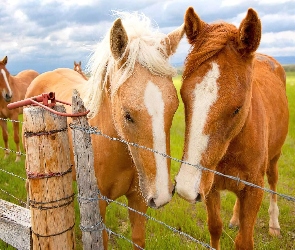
[(47, 34)]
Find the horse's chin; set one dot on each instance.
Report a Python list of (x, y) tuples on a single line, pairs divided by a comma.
[(155, 206), (193, 201)]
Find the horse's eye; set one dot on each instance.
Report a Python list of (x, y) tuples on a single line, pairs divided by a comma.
[(237, 111), (128, 117)]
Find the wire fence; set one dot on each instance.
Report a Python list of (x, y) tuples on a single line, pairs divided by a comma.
[(94, 130), (100, 225)]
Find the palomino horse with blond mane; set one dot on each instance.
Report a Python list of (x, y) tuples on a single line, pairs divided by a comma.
[(130, 95), (12, 88), (78, 68), (236, 115)]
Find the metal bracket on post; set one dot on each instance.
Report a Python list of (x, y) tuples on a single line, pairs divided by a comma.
[(48, 101)]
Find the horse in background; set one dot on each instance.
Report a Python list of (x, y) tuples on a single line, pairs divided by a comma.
[(236, 114), (131, 96), (12, 88), (78, 68)]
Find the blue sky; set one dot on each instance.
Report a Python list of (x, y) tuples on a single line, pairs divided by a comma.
[(49, 34)]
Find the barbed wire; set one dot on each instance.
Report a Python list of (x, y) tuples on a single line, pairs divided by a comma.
[(22, 202), (12, 151), (10, 120), (7, 172), (122, 237), (99, 196), (157, 221), (95, 130)]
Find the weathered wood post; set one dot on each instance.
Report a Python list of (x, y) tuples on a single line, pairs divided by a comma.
[(90, 220), (49, 176)]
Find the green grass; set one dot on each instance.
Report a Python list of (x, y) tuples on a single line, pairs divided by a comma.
[(185, 217)]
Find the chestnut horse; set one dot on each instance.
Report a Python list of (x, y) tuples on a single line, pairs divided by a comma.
[(78, 68), (130, 95), (236, 115), (12, 88)]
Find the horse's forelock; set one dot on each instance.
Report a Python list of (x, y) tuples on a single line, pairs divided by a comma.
[(146, 46), (211, 40)]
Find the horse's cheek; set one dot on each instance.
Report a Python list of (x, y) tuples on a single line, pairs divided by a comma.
[(117, 118)]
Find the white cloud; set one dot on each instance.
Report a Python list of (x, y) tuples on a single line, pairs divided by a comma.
[(69, 3), (59, 32), (272, 2), (20, 16), (226, 3), (279, 17), (278, 37)]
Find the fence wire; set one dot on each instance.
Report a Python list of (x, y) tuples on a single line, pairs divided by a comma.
[(157, 221), (9, 194), (13, 151), (8, 149), (10, 120), (10, 173), (96, 131), (99, 196), (7, 172), (108, 201)]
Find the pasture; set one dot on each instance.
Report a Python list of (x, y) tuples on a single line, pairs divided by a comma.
[(179, 214)]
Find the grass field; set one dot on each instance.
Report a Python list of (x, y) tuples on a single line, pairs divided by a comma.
[(185, 217)]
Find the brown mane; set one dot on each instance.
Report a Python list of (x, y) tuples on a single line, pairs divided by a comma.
[(209, 42)]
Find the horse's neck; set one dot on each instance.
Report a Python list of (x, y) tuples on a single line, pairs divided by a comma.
[(84, 76), (18, 86), (12, 80)]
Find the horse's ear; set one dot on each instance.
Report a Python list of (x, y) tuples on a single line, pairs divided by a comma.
[(5, 60), (249, 33), (80, 63), (192, 24), (174, 38), (118, 39)]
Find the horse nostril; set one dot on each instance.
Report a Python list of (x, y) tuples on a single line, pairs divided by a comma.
[(151, 203), (173, 190), (198, 198), (8, 97)]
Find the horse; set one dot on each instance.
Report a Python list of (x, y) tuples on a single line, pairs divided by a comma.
[(12, 88), (78, 68), (131, 96), (236, 122)]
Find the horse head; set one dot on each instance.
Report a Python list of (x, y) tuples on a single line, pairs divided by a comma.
[(6, 91), (138, 78), (77, 66), (144, 106), (216, 91)]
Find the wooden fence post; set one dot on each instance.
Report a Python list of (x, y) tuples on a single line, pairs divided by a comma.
[(49, 178), (90, 220)]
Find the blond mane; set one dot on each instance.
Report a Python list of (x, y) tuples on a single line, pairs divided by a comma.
[(146, 45)]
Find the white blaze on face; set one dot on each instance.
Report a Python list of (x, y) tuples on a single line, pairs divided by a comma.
[(205, 94), (6, 82), (154, 103)]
